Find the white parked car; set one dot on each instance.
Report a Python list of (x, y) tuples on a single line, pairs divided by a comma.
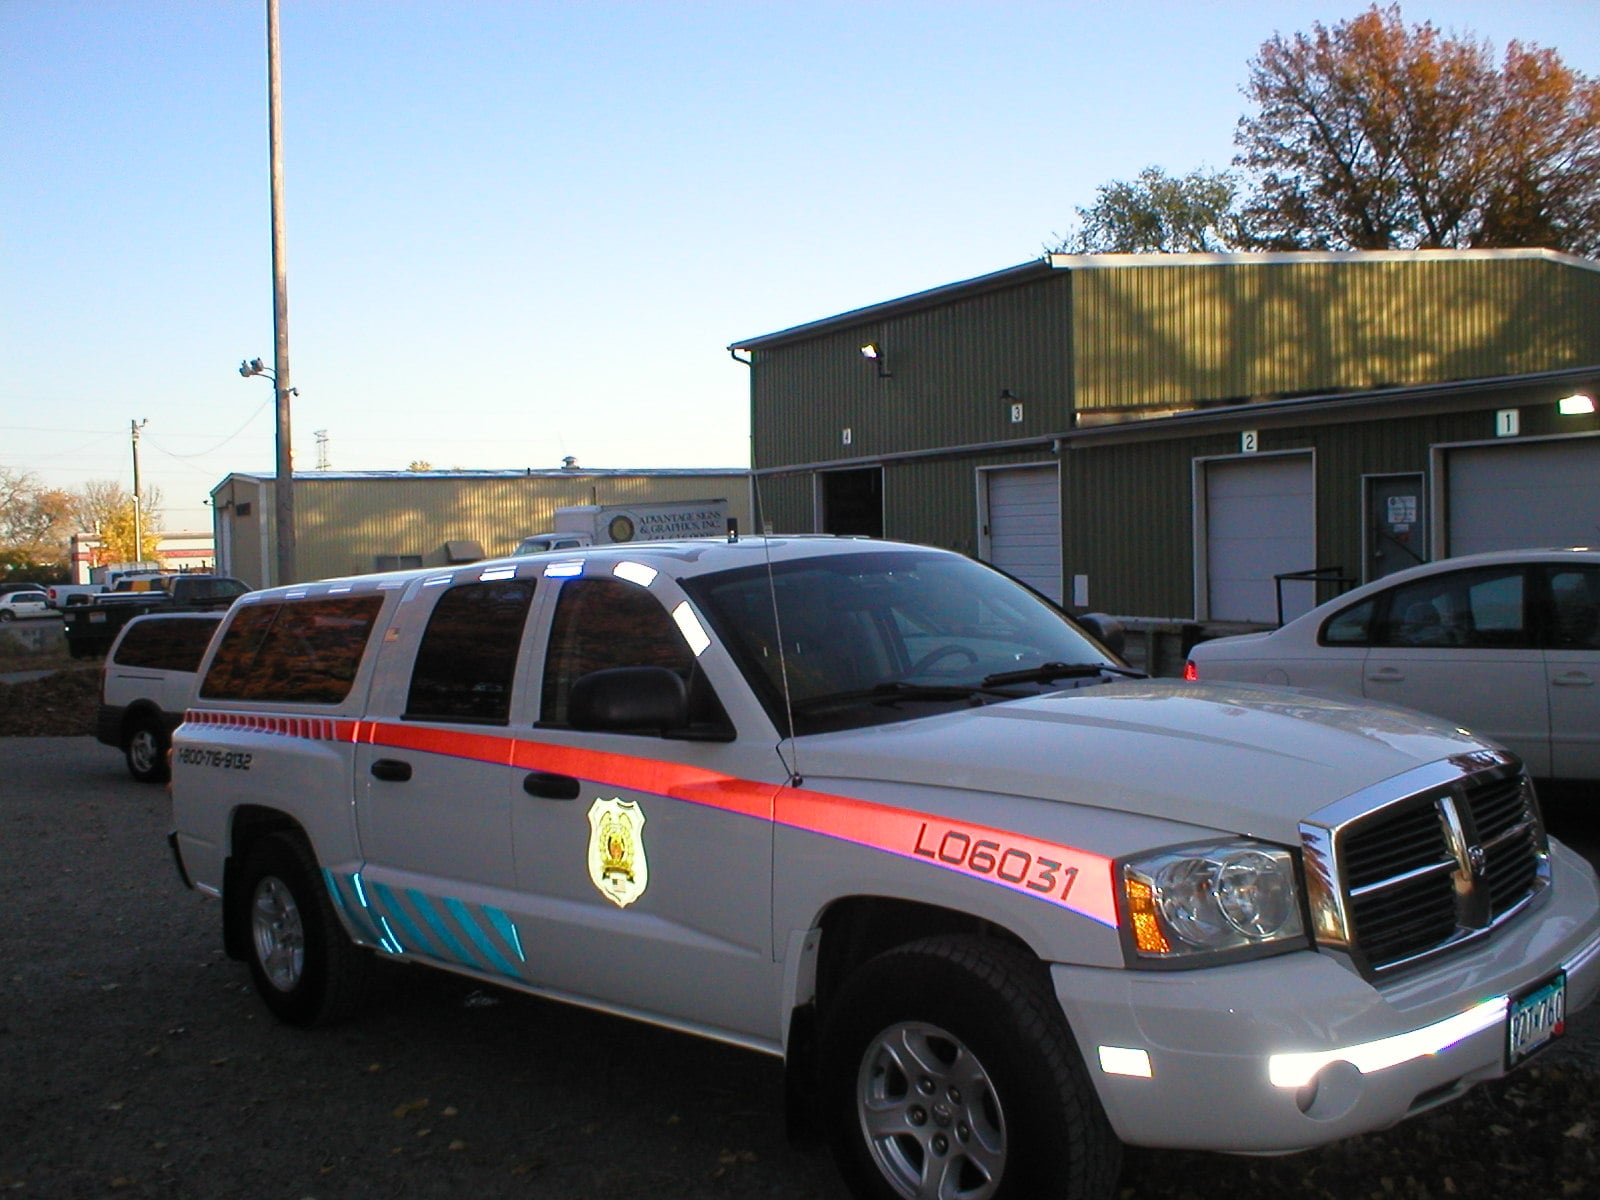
[(1506, 644), (17, 605)]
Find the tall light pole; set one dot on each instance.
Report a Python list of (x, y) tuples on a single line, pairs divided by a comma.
[(283, 490), (138, 519)]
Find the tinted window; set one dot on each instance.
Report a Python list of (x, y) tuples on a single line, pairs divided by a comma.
[(1352, 627), (468, 653), (1474, 609), (199, 590), (166, 645), (301, 651), (1575, 607), (823, 633), (605, 623)]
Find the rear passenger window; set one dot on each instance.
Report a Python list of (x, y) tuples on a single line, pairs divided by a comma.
[(1480, 609), (468, 653), (166, 645), (295, 651)]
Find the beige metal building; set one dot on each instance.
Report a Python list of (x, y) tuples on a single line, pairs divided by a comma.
[(356, 522)]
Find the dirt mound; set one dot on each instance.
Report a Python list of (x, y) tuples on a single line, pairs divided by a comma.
[(59, 705)]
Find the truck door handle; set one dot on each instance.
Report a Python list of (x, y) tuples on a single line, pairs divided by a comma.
[(1386, 675), (391, 769), (550, 787), (1573, 679)]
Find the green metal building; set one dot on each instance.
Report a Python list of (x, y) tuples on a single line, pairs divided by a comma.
[(1163, 436)]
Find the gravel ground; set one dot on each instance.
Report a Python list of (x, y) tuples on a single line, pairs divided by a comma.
[(135, 1061)]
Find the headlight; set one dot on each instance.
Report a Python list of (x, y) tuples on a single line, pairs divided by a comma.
[(1226, 898)]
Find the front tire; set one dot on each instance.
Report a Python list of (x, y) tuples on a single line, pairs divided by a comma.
[(949, 1072), (305, 969)]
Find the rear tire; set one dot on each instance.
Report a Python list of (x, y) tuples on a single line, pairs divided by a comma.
[(306, 970), (949, 1072), (145, 746)]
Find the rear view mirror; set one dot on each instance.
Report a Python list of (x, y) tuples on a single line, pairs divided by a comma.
[(1106, 630)]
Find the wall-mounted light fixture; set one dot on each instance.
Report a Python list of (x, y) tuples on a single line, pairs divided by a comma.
[(874, 352), (1576, 405)]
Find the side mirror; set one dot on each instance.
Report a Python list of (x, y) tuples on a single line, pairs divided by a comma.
[(628, 700), (1106, 630)]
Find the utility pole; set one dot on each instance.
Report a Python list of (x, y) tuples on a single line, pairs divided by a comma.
[(138, 518), (283, 489)]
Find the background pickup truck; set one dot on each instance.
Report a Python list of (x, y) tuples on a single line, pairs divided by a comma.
[(91, 628)]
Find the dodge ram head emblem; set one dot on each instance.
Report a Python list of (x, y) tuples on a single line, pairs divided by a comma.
[(617, 862)]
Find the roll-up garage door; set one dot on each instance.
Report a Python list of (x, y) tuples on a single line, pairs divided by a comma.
[(1259, 522), (1024, 525), (1518, 494)]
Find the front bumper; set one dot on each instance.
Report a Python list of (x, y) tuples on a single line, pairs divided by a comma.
[(1285, 1053)]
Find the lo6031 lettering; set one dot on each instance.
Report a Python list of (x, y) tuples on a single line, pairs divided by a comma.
[(988, 857)]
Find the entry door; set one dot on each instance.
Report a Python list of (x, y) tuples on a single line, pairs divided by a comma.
[(1024, 526), (852, 502), (1259, 522), (1397, 524), (646, 861)]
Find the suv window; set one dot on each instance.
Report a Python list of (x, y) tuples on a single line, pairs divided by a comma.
[(305, 651), (604, 623), (468, 653), (166, 644)]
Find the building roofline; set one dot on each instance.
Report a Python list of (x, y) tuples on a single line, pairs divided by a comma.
[(1040, 267), (889, 308)]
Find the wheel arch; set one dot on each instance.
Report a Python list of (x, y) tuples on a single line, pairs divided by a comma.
[(249, 824), (138, 712), (851, 931)]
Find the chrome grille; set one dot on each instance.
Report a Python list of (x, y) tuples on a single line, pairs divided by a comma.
[(1436, 858)]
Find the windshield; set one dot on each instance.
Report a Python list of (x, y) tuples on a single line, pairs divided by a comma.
[(869, 638)]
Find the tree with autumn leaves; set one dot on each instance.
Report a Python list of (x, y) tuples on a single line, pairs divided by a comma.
[(37, 523), (1376, 135)]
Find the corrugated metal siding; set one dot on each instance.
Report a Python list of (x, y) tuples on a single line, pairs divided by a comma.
[(947, 365), (1177, 337), (344, 524)]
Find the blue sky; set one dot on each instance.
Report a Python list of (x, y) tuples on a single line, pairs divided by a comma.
[(519, 231)]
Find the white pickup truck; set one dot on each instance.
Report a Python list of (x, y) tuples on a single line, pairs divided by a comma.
[(1000, 905)]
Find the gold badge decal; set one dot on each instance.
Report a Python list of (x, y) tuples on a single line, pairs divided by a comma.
[(617, 862)]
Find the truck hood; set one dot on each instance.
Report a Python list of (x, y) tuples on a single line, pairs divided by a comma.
[(1245, 760)]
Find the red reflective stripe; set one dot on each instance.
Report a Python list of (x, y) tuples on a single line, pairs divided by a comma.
[(480, 747), (1074, 879)]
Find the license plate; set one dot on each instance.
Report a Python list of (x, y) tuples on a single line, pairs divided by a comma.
[(1535, 1018), (97, 618)]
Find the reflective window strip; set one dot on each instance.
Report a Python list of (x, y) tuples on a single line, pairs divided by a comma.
[(1297, 1070), (1074, 879)]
